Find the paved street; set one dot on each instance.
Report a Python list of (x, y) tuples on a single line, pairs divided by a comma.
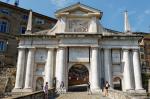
[(80, 95)]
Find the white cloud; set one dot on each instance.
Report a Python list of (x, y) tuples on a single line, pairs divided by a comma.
[(147, 11), (61, 3)]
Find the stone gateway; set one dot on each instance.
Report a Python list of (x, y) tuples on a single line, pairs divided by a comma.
[(78, 50)]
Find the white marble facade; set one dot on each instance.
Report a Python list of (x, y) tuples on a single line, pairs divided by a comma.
[(78, 38)]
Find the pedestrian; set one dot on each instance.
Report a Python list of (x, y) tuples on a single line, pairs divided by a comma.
[(54, 83), (45, 89), (61, 87), (102, 84), (106, 88), (88, 88)]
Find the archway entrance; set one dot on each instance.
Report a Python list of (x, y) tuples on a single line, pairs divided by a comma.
[(39, 83), (78, 77), (117, 83)]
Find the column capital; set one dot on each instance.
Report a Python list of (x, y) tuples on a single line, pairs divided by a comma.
[(125, 49), (94, 47), (50, 49), (135, 50), (107, 48), (19, 48), (62, 47)]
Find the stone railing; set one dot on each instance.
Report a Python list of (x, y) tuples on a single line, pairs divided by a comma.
[(33, 95), (115, 94)]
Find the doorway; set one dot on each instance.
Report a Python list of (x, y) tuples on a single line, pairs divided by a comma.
[(117, 83), (39, 83), (78, 77)]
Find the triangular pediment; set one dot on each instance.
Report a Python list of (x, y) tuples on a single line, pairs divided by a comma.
[(79, 8), (78, 11)]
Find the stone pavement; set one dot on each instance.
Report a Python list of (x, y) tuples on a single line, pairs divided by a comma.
[(80, 95)]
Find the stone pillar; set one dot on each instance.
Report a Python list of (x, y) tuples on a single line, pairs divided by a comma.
[(127, 70), (20, 69), (60, 67), (29, 70), (95, 87), (137, 70), (108, 66), (49, 68)]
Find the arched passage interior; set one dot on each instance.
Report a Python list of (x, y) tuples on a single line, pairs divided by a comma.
[(117, 83), (78, 76), (39, 83)]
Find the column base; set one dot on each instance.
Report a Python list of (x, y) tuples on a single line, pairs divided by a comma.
[(26, 90), (61, 90), (17, 90), (96, 90), (130, 90), (140, 91)]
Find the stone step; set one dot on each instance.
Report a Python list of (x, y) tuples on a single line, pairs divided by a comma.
[(80, 95)]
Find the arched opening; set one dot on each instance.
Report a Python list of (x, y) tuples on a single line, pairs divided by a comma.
[(78, 77), (117, 83), (39, 83)]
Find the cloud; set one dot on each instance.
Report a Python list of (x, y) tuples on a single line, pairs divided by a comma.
[(147, 11), (61, 3)]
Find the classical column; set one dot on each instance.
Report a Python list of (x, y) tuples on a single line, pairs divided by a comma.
[(60, 66), (49, 68), (20, 69), (108, 66), (95, 70), (137, 70), (29, 70), (127, 70)]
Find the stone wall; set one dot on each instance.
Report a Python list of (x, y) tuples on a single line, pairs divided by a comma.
[(7, 81)]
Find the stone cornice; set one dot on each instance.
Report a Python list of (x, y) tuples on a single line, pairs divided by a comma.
[(121, 37), (78, 35), (34, 36)]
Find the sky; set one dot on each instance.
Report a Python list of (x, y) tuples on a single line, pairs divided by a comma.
[(113, 11)]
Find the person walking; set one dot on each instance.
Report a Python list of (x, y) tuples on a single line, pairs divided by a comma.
[(45, 89), (106, 88), (88, 88)]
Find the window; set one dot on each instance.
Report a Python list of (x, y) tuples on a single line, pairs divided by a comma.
[(52, 25), (22, 29), (142, 56), (5, 11), (25, 17), (116, 56), (2, 45), (4, 26), (39, 21)]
